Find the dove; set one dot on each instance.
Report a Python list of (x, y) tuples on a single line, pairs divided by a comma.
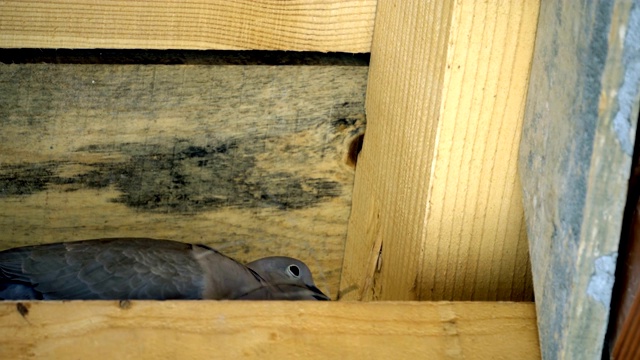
[(141, 268)]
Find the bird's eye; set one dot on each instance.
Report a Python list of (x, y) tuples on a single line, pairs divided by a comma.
[(293, 271)]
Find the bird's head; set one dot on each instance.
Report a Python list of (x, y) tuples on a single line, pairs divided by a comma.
[(284, 271)]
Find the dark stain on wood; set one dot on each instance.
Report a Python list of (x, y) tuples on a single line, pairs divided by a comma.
[(354, 149), (25, 179), (22, 309), (185, 178)]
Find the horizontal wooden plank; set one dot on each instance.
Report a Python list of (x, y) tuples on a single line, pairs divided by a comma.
[(575, 161), (437, 210), (267, 330), (303, 25), (251, 160)]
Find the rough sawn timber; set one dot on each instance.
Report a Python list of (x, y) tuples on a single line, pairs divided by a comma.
[(575, 160)]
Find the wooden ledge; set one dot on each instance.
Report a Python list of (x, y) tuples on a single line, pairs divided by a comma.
[(279, 330), (304, 25)]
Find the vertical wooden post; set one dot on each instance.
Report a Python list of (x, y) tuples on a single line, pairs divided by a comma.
[(437, 208), (575, 161)]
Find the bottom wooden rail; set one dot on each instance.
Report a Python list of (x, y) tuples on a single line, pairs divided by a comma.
[(279, 330)]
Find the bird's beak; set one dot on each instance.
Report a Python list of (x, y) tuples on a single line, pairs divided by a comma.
[(317, 294)]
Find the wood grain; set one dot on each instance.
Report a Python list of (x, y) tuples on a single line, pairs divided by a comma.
[(624, 326), (251, 160), (575, 160), (437, 208), (303, 25), (268, 330)]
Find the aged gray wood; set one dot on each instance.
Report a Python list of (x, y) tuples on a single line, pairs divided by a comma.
[(251, 160), (575, 161)]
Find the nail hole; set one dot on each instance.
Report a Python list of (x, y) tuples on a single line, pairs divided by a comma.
[(354, 149), (124, 304)]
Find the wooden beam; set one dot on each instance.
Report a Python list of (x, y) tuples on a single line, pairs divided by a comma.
[(575, 161), (437, 208), (304, 25), (251, 160), (267, 330), (624, 329)]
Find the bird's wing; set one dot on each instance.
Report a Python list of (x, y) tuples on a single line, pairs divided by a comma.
[(106, 269), (224, 277)]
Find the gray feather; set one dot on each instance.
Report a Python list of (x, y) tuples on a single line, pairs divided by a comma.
[(136, 268)]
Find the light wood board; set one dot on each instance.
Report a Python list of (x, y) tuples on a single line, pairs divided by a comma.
[(268, 330), (437, 210), (575, 160), (303, 25), (251, 160)]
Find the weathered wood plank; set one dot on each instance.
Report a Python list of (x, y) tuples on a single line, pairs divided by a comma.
[(247, 159), (436, 195), (304, 25), (268, 330), (575, 161)]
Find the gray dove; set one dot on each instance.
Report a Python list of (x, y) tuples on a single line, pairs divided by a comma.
[(138, 268)]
